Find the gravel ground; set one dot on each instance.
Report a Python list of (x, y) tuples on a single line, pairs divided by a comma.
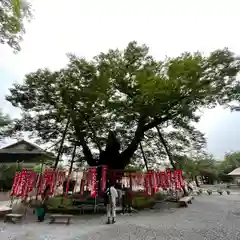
[(209, 217)]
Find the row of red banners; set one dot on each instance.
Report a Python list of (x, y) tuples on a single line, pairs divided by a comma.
[(152, 180), (26, 181)]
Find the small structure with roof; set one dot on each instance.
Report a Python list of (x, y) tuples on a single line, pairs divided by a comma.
[(23, 151), (235, 174)]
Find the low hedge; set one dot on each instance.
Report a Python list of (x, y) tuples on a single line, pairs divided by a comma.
[(59, 202), (159, 196), (143, 202)]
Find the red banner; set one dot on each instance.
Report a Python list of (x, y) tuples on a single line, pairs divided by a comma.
[(82, 184), (163, 179), (104, 178), (178, 179), (92, 184), (151, 181), (29, 184), (15, 184), (169, 179), (155, 183), (22, 183), (147, 185)]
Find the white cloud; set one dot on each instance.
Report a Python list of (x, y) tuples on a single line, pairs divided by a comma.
[(87, 27)]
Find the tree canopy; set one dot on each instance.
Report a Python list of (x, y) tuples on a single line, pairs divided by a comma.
[(116, 100), (13, 13)]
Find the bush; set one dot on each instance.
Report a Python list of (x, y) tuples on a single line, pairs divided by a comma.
[(140, 193), (7, 174), (143, 202), (59, 202), (159, 196)]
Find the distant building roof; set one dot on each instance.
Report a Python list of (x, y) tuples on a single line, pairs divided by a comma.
[(235, 172), (25, 147)]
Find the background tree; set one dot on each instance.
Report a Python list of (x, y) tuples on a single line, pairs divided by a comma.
[(13, 13), (230, 162), (7, 173), (203, 166), (115, 99)]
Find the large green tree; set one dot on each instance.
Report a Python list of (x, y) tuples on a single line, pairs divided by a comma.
[(13, 13), (201, 165), (230, 162), (111, 103)]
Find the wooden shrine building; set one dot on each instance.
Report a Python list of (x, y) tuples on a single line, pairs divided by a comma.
[(25, 152)]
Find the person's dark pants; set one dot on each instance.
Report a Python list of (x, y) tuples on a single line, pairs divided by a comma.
[(42, 217), (129, 208), (123, 204), (126, 206)]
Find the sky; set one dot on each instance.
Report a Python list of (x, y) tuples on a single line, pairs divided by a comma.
[(168, 27)]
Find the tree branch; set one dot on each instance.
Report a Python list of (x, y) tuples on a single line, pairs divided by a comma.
[(62, 142), (93, 131), (132, 147), (80, 137), (165, 145), (144, 157)]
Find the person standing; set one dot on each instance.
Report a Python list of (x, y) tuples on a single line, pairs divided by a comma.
[(42, 208), (123, 200), (128, 201), (110, 202)]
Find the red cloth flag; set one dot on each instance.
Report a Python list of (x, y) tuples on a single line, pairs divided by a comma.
[(163, 179), (14, 186), (147, 185), (32, 180), (104, 178), (151, 181), (178, 179), (169, 179), (22, 183), (82, 188), (52, 181), (155, 182), (92, 184)]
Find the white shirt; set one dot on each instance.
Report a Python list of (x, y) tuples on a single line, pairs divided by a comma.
[(114, 193)]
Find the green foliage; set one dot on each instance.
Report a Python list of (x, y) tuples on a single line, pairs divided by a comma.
[(143, 202), (59, 202), (230, 162), (159, 196), (12, 16), (125, 94), (131, 168), (202, 165), (4, 123), (7, 173)]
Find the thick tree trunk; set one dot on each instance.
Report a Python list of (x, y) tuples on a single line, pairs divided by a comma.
[(165, 145), (196, 181), (62, 142), (72, 160), (144, 157)]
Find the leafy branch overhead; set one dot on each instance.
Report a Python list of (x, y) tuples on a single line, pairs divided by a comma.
[(13, 13), (115, 100)]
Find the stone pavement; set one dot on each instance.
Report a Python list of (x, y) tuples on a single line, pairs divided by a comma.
[(209, 217)]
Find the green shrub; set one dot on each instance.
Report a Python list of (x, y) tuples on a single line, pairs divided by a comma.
[(59, 202), (140, 193), (143, 202), (159, 196)]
